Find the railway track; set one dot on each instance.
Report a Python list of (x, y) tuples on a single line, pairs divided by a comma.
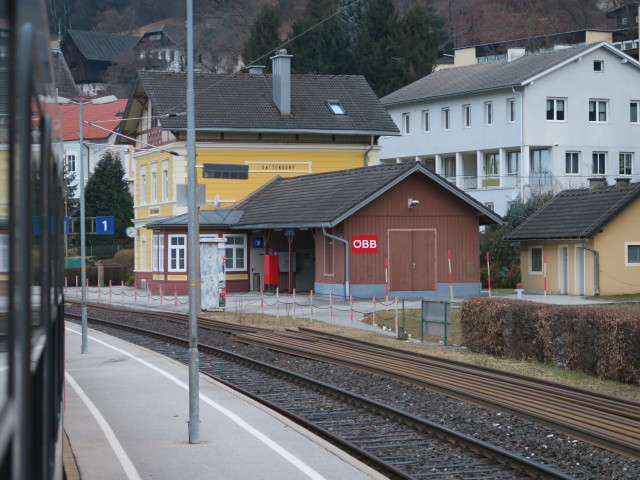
[(397, 444)]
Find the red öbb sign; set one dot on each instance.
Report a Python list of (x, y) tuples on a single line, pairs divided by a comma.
[(364, 244)]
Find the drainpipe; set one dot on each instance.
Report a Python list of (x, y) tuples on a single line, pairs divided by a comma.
[(366, 154), (346, 259), (596, 268)]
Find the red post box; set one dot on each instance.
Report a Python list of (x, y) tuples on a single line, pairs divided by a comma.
[(271, 270)]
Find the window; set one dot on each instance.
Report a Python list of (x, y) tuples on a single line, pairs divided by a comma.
[(425, 121), (513, 162), (634, 111), (177, 253), (491, 166), (572, 163), (556, 109), (328, 253), (336, 108), (236, 252), (450, 167), (488, 113), (406, 123), (539, 161), (625, 164), (157, 261), (143, 188), (71, 162), (446, 119), (511, 110), (632, 254), (598, 65), (598, 111), (154, 187), (535, 260), (466, 116), (165, 184), (4, 252), (490, 206), (599, 163)]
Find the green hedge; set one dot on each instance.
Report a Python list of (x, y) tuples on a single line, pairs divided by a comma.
[(115, 273), (598, 341)]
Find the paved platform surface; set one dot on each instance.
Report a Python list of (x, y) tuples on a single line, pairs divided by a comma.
[(127, 412)]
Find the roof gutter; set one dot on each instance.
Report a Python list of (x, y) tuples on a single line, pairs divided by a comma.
[(346, 260), (596, 268)]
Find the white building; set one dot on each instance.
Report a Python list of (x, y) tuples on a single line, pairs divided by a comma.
[(546, 121)]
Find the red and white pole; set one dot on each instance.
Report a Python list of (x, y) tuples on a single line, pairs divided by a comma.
[(65, 285), (351, 307), (110, 292), (373, 319), (489, 274), (330, 304), (450, 275)]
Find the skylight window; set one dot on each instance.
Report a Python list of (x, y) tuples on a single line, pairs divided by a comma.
[(335, 107)]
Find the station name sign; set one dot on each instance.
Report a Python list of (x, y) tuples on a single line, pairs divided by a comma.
[(364, 244)]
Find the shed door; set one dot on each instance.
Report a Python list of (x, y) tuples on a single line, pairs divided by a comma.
[(412, 260)]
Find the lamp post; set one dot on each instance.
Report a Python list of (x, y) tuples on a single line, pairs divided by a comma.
[(83, 233)]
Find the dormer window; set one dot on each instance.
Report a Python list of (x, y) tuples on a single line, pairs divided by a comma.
[(598, 65), (335, 107)]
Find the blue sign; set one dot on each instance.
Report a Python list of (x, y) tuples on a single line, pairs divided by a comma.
[(36, 225), (66, 225), (105, 226), (257, 242)]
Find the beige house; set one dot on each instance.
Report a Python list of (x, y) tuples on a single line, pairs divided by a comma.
[(583, 242)]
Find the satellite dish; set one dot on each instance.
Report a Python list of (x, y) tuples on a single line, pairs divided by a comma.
[(216, 201)]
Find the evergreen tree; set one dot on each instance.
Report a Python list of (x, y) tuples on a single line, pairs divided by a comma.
[(107, 194), (375, 52), (264, 37), (351, 17), (418, 45), (322, 50)]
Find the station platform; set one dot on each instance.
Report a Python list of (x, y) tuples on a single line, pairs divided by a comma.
[(126, 417)]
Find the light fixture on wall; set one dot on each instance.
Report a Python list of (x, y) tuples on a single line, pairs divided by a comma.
[(412, 202)]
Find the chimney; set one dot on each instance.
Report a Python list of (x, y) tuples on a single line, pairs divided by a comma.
[(596, 183), (622, 181), (257, 69), (515, 53), (281, 67)]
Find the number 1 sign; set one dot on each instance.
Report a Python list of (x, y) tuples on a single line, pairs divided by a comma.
[(105, 226)]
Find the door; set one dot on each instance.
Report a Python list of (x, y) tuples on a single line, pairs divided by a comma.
[(563, 270), (580, 270), (412, 260)]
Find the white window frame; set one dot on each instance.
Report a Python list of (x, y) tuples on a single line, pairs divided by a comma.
[(570, 162), (596, 104), (406, 123), (232, 262), (598, 66), (177, 253), (425, 121), (165, 183), (511, 110), (154, 186), (71, 161), (143, 186), (446, 119), (492, 160), (449, 167), (593, 163), (157, 249), (634, 104), (466, 116), (627, 263), (623, 157), (555, 111), (490, 206), (530, 260), (488, 113)]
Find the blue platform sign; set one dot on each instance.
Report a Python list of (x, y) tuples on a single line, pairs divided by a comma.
[(257, 242), (105, 226), (66, 225)]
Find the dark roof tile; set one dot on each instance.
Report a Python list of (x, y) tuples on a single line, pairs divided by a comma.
[(102, 47)]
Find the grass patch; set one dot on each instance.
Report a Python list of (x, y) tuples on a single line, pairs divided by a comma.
[(430, 347)]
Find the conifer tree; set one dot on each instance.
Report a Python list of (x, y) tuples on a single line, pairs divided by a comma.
[(264, 37), (324, 49), (418, 45), (107, 194)]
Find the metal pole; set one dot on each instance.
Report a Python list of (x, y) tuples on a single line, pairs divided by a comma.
[(192, 245), (83, 234)]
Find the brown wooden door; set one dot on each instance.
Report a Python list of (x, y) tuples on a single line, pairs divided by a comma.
[(412, 260)]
